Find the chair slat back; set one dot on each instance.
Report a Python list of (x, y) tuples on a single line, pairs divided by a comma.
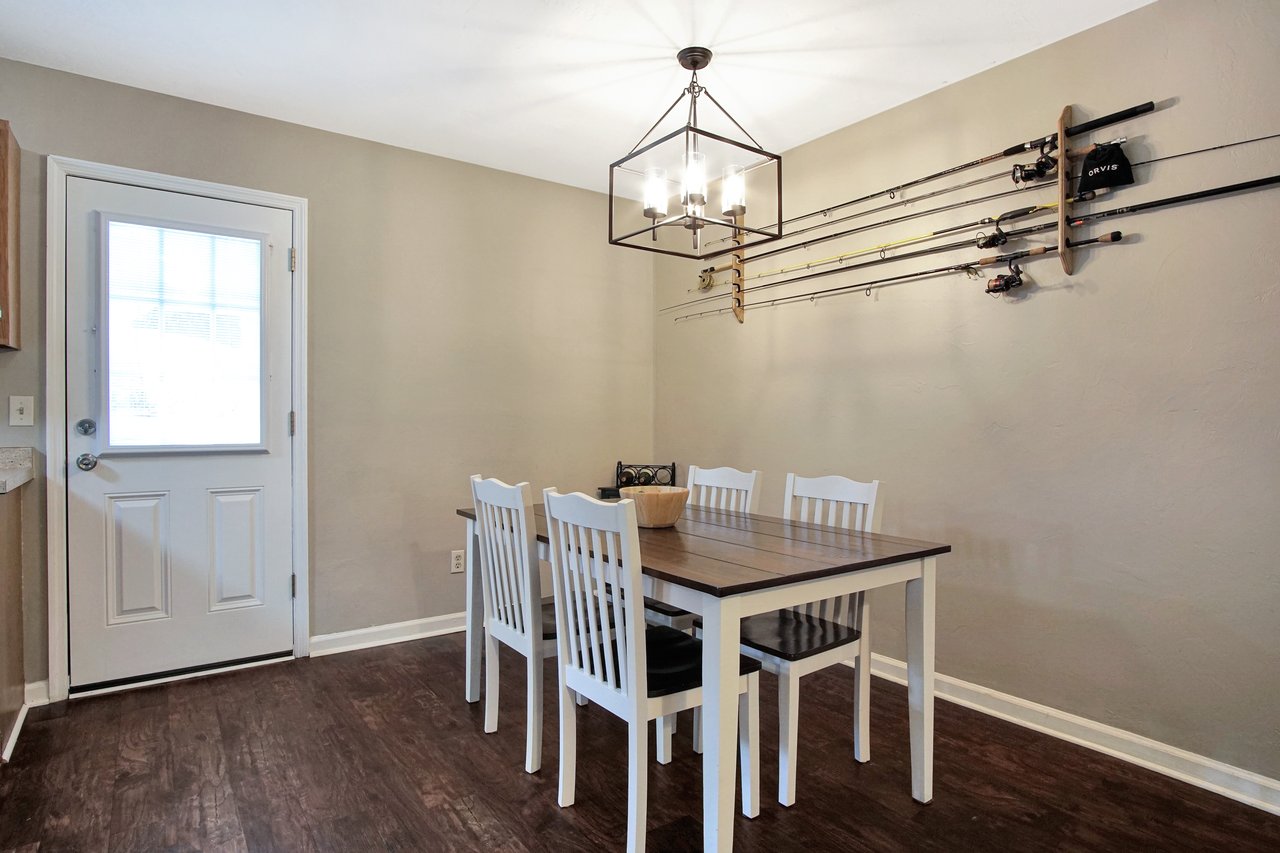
[(834, 501), (723, 488), (509, 575), (595, 570)]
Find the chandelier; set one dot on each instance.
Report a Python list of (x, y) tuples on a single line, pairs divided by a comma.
[(686, 193)]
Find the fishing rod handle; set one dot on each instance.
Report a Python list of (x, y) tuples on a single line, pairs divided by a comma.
[(992, 260), (1112, 237), (1103, 121), (1020, 212), (1029, 145)]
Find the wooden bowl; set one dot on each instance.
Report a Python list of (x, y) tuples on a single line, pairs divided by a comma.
[(656, 506)]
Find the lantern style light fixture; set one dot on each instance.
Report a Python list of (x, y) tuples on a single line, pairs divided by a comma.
[(686, 193)]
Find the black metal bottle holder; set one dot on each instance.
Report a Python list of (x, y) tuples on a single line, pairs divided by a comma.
[(639, 475)]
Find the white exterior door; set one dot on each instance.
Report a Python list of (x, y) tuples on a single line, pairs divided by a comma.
[(178, 461)]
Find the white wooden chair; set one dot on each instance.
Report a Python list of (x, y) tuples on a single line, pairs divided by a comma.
[(717, 488), (793, 643), (727, 488), (514, 613), (648, 671), (723, 488)]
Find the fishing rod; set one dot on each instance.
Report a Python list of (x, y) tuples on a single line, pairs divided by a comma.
[(1022, 183), (1171, 200), (996, 238), (1076, 221), (1040, 143), (971, 268), (1025, 179), (704, 276), (984, 243), (882, 223), (707, 281)]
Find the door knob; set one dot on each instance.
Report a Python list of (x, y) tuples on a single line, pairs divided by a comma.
[(86, 462)]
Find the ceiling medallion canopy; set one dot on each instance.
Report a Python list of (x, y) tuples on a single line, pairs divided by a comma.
[(686, 193)]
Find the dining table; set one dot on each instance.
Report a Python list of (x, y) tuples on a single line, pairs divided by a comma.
[(725, 566)]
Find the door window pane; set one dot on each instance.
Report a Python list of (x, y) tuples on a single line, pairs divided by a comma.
[(184, 337)]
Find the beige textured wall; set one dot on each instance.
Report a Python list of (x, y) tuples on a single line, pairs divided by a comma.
[(441, 345), (1101, 452)]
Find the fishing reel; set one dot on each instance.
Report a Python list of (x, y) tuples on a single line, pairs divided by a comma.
[(1044, 166), (995, 238), (1008, 281), (999, 237)]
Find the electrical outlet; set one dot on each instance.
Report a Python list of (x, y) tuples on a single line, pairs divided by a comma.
[(457, 563), (22, 411)]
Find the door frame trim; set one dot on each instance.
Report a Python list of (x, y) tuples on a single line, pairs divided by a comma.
[(59, 169)]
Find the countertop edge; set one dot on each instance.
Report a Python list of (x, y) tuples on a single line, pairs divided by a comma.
[(17, 467), (12, 478)]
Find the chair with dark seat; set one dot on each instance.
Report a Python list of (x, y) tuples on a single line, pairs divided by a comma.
[(714, 488), (647, 671), (796, 642), (723, 488), (793, 643), (514, 613)]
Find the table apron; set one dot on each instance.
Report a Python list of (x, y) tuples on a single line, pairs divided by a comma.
[(790, 594)]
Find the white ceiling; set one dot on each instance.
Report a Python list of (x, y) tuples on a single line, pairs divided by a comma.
[(555, 89)]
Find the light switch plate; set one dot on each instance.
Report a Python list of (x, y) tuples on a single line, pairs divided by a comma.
[(22, 411)]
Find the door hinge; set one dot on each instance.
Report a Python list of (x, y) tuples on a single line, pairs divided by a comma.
[(293, 259), (293, 423), (293, 586)]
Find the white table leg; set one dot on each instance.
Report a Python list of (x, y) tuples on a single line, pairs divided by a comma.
[(920, 633), (862, 684), (721, 628), (475, 615), (666, 726), (788, 735)]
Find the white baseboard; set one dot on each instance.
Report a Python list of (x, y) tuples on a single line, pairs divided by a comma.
[(12, 739), (381, 635), (37, 694), (1245, 786)]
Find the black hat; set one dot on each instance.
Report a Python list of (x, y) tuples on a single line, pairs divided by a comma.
[(1104, 166)]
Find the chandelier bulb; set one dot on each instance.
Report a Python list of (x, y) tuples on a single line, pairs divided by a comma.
[(695, 179), (655, 193), (733, 191)]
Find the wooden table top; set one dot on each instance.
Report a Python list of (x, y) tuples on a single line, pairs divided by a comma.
[(726, 553)]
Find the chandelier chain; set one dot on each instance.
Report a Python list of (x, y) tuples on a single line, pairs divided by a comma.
[(693, 91)]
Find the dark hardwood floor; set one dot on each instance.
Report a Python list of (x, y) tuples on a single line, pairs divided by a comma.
[(376, 750)]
